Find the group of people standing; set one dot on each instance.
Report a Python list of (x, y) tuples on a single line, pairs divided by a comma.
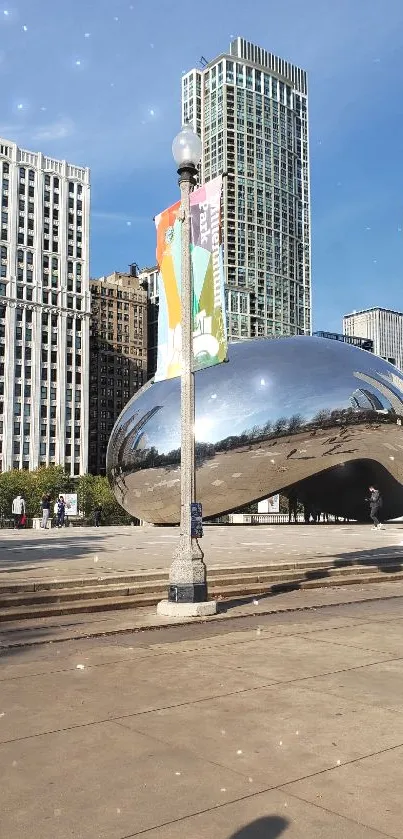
[(59, 510), (19, 512)]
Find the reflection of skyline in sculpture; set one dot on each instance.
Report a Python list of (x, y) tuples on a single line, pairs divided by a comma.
[(282, 412)]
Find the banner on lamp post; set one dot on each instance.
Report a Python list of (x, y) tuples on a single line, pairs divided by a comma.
[(209, 321)]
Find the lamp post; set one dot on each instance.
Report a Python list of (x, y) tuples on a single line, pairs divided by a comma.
[(187, 594)]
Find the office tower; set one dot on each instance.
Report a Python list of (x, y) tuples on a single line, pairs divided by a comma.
[(384, 327), (251, 110), (118, 355), (44, 311), (149, 278)]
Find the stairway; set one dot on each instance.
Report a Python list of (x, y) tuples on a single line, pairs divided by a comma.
[(46, 598)]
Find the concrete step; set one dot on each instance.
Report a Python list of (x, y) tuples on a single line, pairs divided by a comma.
[(80, 582), (221, 588), (238, 578), (233, 591), (78, 594), (20, 613), (259, 571)]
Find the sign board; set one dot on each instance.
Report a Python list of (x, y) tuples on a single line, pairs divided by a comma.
[(70, 500), (269, 505), (196, 520)]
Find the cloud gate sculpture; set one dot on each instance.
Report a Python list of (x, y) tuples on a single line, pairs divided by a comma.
[(304, 415)]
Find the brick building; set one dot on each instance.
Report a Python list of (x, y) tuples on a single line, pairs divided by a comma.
[(118, 355)]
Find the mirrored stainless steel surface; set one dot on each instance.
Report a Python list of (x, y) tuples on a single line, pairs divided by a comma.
[(309, 414)]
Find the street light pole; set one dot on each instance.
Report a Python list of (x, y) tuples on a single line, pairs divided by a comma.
[(187, 594)]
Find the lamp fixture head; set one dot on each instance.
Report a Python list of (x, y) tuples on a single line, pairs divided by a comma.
[(187, 148)]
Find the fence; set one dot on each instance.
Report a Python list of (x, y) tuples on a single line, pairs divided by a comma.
[(271, 518)]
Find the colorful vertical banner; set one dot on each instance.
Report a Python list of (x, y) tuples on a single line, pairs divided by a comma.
[(209, 322)]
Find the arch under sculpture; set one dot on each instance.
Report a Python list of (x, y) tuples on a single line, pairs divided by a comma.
[(307, 415)]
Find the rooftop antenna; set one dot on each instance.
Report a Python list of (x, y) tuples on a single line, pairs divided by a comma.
[(203, 62)]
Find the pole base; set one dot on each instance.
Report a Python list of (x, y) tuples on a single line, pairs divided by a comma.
[(169, 609), (187, 592)]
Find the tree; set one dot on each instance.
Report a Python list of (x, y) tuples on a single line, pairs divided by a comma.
[(32, 485), (94, 490), (91, 490)]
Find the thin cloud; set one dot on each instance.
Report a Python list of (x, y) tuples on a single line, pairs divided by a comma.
[(120, 218), (58, 130)]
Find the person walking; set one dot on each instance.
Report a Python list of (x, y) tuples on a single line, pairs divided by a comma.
[(292, 508), (375, 504), (61, 511), (46, 506), (97, 515), (18, 510)]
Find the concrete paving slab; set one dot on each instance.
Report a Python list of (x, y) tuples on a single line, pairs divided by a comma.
[(33, 555), (283, 658), (369, 792), (283, 626), (46, 658), (378, 685), (107, 782), (179, 686), (55, 629), (275, 734), (368, 636), (38, 704), (54, 659), (269, 815)]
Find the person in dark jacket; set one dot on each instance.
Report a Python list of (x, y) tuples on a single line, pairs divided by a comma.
[(292, 508), (375, 504), (97, 515), (61, 511)]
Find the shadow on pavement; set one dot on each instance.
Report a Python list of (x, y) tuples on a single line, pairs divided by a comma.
[(388, 560), (268, 827), (31, 551)]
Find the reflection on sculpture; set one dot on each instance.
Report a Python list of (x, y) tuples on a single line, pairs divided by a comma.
[(304, 414)]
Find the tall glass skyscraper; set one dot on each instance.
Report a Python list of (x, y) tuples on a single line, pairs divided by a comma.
[(251, 110)]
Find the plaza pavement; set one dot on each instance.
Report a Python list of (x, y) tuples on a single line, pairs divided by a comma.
[(287, 725), (89, 551)]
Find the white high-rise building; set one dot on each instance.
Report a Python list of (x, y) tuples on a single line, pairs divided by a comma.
[(250, 109), (384, 327), (44, 311)]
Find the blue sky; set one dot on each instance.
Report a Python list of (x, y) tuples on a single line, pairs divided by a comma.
[(98, 83)]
